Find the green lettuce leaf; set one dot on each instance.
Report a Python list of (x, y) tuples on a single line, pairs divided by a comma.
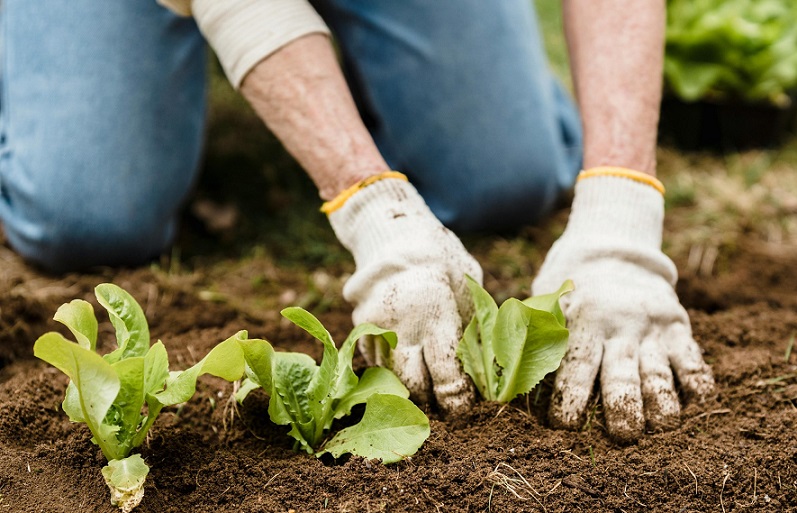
[(550, 302), (346, 380), (528, 345), (94, 380), (293, 373), (477, 353), (309, 397), (375, 380), (127, 317), (392, 429), (225, 361), (472, 351), (258, 355), (247, 385), (78, 316), (324, 376), (126, 410), (506, 351)]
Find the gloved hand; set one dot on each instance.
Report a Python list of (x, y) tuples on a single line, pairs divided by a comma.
[(624, 316), (410, 278)]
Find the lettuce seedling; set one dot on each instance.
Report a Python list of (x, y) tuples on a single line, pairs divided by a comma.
[(109, 393), (508, 350), (308, 397)]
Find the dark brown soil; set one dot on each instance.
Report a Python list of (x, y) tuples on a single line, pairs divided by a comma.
[(737, 452)]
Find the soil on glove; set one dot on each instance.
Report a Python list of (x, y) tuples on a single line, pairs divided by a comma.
[(736, 452)]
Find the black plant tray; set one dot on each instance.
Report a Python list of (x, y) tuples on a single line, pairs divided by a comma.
[(705, 125)]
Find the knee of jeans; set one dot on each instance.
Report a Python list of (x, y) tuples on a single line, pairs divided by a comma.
[(500, 197), (81, 240)]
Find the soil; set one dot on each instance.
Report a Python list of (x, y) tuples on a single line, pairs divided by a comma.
[(736, 452)]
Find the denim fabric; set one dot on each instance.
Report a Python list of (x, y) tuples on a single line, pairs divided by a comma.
[(102, 112), (102, 118)]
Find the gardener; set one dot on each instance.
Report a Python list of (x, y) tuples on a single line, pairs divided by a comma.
[(102, 120)]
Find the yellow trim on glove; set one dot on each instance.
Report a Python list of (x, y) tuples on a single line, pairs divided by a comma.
[(623, 172), (339, 200)]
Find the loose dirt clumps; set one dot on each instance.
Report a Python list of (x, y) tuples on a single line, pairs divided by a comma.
[(736, 452)]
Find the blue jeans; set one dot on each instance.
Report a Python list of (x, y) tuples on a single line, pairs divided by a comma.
[(102, 115)]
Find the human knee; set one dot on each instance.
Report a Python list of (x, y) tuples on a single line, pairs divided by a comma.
[(73, 238), (65, 212)]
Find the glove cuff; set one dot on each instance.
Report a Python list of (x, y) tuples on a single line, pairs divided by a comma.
[(338, 201), (622, 172), (617, 208), (378, 214)]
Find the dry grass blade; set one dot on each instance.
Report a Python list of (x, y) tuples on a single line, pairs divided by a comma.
[(515, 483), (693, 475), (271, 479), (625, 492), (722, 491), (713, 412)]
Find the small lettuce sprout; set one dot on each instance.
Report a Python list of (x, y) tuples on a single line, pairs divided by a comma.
[(506, 351), (308, 397), (119, 395)]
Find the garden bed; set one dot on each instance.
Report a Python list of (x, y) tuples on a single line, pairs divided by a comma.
[(736, 452)]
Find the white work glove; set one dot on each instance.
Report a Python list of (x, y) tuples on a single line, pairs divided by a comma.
[(624, 316), (410, 278)]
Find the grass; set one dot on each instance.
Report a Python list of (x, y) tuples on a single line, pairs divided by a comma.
[(712, 200)]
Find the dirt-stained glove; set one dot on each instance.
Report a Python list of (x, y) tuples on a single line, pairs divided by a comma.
[(624, 316), (410, 278)]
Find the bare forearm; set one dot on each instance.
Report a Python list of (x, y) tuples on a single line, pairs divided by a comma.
[(616, 53), (301, 95)]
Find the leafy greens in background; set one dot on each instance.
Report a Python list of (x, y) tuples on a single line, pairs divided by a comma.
[(732, 49), (308, 397), (508, 350), (108, 393)]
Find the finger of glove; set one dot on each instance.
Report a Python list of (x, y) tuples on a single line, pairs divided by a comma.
[(462, 295), (575, 378), (420, 307), (661, 406), (397, 303), (410, 367), (621, 389), (686, 358), (461, 263), (375, 351), (452, 388)]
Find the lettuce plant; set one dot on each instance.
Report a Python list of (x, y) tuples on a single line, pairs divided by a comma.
[(508, 350), (732, 49), (120, 394), (309, 397)]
